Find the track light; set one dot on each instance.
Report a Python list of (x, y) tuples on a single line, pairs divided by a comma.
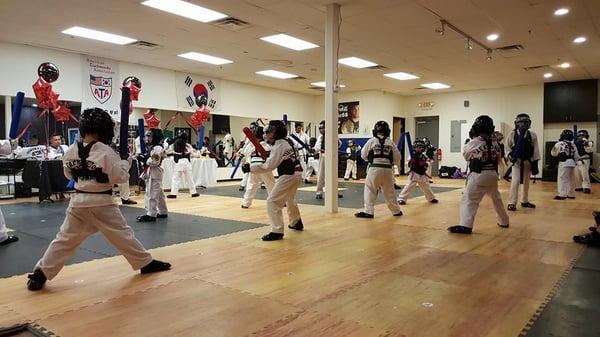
[(469, 45), (489, 56), (442, 29)]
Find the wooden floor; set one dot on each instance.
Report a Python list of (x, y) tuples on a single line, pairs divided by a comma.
[(389, 276)]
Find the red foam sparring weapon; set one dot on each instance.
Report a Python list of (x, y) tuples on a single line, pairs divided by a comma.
[(250, 135)]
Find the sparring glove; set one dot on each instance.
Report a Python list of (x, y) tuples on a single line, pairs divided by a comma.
[(246, 168), (371, 156), (535, 168)]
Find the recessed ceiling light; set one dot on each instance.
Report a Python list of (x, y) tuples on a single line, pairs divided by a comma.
[(185, 9), (34, 105), (547, 75), (322, 84), (204, 58), (357, 62), (402, 76), (580, 39), (565, 65), (561, 11), (276, 74), (289, 42), (98, 35), (492, 37), (435, 85)]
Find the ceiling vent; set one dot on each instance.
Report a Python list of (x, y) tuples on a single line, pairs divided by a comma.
[(378, 67), (144, 45), (535, 68), (510, 51), (231, 24)]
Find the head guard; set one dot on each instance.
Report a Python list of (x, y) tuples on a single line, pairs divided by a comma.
[(258, 132), (524, 119), (381, 127), (97, 121), (419, 143), (157, 137), (322, 127), (566, 134), (583, 133), (483, 125), (350, 142)]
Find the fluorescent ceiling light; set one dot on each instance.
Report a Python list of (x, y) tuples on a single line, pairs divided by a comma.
[(401, 76), (357, 62), (204, 58), (580, 39), (98, 35), (492, 37), (561, 11), (185, 9), (565, 65), (289, 42), (322, 84), (547, 75), (435, 85), (276, 74)]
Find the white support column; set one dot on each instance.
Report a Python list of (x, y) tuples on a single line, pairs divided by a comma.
[(7, 115), (331, 111)]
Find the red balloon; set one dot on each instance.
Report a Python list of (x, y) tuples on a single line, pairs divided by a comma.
[(151, 119), (61, 112), (200, 116), (134, 91)]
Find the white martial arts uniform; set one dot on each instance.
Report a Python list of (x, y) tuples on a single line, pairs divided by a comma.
[(228, 148), (480, 184), (530, 152), (93, 209), (351, 162), (255, 179), (585, 149), (5, 149), (566, 151), (419, 164), (183, 173), (283, 193), (124, 190), (380, 174), (320, 147), (57, 153), (155, 202), (302, 152)]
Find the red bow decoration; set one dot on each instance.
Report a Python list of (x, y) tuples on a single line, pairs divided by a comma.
[(200, 116), (151, 119), (46, 98), (62, 113)]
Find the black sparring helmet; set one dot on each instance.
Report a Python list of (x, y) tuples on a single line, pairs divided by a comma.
[(566, 134), (583, 133), (381, 127), (483, 124), (312, 141), (278, 128), (157, 137), (419, 142), (350, 142), (97, 121), (523, 117), (258, 132)]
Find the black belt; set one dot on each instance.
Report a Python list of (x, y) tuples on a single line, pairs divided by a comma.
[(109, 192)]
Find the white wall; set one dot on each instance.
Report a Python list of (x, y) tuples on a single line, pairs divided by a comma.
[(501, 104)]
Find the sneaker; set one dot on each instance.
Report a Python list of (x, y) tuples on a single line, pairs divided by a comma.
[(568, 197), (434, 201), (241, 189), (319, 196), (9, 239), (195, 195), (397, 187), (364, 215), (155, 266), (399, 214), (162, 216), (346, 179), (579, 189), (172, 196), (511, 207), (402, 202), (146, 218), (297, 226), (128, 202), (458, 229), (587, 191), (558, 197), (36, 280), (307, 182), (503, 226), (527, 205), (245, 207), (272, 236), (263, 187), (340, 195)]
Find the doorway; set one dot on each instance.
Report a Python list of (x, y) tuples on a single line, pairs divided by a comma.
[(398, 127), (429, 127)]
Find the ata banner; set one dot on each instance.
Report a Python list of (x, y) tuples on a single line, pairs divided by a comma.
[(101, 84), (195, 90)]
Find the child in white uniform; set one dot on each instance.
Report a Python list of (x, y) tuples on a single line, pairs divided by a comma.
[(183, 167), (418, 165), (352, 153), (566, 151), (155, 202), (585, 149), (95, 167)]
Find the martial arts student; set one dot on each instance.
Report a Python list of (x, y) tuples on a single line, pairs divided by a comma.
[(154, 201), (566, 151), (6, 148), (284, 158), (417, 175), (430, 153), (183, 167), (352, 153), (302, 152), (312, 160), (585, 149), (523, 160), (124, 190), (255, 179), (228, 143), (483, 155), (381, 153), (95, 167), (320, 147), (499, 137)]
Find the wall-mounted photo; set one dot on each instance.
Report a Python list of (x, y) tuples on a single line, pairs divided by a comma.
[(348, 117)]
